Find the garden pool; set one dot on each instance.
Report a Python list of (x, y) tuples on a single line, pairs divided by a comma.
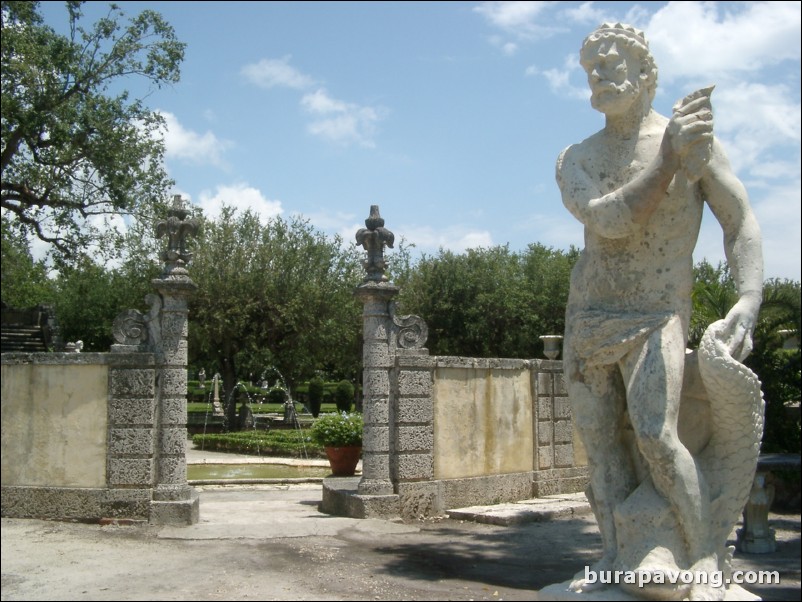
[(235, 472)]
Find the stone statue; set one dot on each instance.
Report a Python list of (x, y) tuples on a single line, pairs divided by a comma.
[(665, 493)]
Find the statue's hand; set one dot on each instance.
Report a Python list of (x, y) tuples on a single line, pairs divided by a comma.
[(690, 132), (735, 330)]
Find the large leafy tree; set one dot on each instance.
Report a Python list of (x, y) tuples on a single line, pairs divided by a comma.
[(90, 296), (24, 280), (487, 302), (275, 295), (77, 151)]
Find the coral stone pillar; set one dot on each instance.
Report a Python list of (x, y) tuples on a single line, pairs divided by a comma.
[(173, 500), (171, 466), (377, 361), (376, 294)]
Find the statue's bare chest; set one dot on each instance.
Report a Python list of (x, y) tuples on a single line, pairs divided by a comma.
[(616, 163)]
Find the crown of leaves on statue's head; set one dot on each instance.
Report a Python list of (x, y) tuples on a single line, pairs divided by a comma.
[(618, 29)]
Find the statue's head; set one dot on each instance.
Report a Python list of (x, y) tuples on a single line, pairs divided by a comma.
[(618, 55)]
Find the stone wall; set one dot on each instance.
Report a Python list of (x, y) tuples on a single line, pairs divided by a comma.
[(469, 431), (475, 431), (78, 435), (91, 436), (448, 432), (55, 421)]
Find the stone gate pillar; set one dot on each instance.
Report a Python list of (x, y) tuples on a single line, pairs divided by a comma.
[(376, 294), (174, 502)]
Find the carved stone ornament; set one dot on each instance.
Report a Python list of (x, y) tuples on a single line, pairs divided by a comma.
[(129, 328), (132, 327), (411, 331), (176, 227), (373, 239)]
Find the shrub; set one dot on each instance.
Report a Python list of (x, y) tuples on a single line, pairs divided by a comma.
[(344, 396), (279, 442), (277, 395), (338, 430), (315, 395)]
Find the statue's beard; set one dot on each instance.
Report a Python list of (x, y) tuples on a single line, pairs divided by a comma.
[(611, 97)]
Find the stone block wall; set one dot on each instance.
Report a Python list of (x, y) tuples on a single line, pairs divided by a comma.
[(470, 431), (81, 437), (87, 450)]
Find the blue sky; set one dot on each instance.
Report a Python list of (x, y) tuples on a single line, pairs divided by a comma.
[(450, 115)]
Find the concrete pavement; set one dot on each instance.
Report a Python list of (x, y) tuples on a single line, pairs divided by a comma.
[(268, 541)]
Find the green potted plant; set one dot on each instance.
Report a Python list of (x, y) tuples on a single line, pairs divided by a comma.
[(340, 434)]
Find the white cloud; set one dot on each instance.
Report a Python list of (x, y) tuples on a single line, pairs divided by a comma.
[(240, 196), (591, 14), (759, 125), (341, 122), (334, 120), (321, 103), (559, 79), (333, 221), (779, 213), (587, 13), (270, 73), (778, 210), (723, 38), (181, 143), (517, 18), (558, 230), (456, 238)]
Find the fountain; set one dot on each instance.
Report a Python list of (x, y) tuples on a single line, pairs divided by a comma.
[(290, 412)]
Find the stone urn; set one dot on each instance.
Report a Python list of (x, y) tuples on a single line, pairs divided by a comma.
[(551, 345)]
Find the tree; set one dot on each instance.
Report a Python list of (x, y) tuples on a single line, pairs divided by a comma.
[(90, 296), (24, 281), (273, 295), (75, 157), (777, 367), (488, 302), (712, 297)]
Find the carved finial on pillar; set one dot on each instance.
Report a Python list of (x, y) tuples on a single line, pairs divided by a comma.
[(373, 239), (176, 227)]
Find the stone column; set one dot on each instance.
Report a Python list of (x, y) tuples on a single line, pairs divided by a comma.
[(174, 502), (376, 294), (377, 362)]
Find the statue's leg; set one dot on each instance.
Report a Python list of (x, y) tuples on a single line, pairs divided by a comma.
[(653, 377), (598, 410)]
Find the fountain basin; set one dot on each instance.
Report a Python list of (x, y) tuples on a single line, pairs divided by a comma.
[(198, 474)]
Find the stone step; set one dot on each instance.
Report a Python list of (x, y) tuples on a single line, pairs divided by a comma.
[(525, 511)]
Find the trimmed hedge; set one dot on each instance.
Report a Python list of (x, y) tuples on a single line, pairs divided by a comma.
[(292, 443)]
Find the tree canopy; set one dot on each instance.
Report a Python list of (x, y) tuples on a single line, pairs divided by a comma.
[(24, 280), (487, 302), (277, 295), (76, 155), (773, 359)]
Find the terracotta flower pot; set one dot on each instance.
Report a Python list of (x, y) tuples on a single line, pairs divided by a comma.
[(343, 460)]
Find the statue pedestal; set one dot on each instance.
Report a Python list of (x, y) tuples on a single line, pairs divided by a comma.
[(560, 591)]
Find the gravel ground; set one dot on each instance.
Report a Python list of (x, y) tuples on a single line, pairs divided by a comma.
[(271, 543)]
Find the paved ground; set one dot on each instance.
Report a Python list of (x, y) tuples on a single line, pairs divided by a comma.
[(269, 542)]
